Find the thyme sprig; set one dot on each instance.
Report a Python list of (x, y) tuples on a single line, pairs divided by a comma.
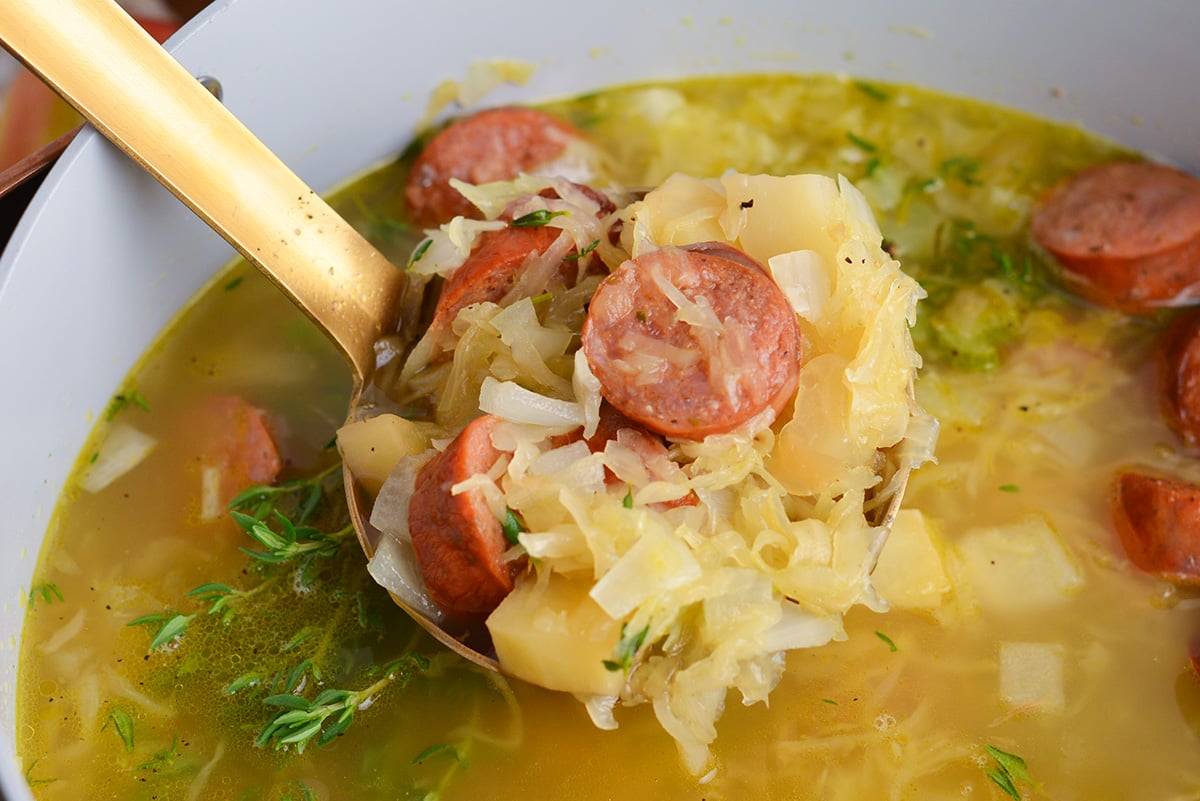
[(305, 494), (290, 541), (299, 721)]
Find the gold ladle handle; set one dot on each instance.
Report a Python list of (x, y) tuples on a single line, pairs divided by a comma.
[(102, 62)]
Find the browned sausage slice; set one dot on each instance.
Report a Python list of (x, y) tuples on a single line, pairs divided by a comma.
[(692, 342), (1158, 521), (458, 542), (492, 145), (1179, 376), (1126, 234), (498, 259)]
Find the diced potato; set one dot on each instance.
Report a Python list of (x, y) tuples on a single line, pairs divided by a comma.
[(1020, 568), (910, 573), (372, 447), (1031, 676), (554, 635)]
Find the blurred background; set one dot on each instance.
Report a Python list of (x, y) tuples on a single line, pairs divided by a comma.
[(35, 125), (31, 116)]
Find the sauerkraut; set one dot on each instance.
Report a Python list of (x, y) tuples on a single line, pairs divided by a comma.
[(627, 596)]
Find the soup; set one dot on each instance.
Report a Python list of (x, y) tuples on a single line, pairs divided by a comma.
[(1040, 640)]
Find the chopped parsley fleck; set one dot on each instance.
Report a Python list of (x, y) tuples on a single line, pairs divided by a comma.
[(235, 283), (627, 502), (1009, 488), (888, 640)]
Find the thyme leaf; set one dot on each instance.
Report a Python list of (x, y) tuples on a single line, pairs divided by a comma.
[(536, 219), (1009, 769), (586, 251), (47, 592), (124, 400), (513, 525), (627, 648), (173, 624), (122, 723)]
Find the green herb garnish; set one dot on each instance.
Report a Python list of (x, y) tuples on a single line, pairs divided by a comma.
[(300, 722), (1009, 769), (964, 169), (162, 759), (1009, 488), (120, 402), (627, 648), (46, 591), (627, 501), (536, 219), (862, 144), (870, 90), (32, 782), (584, 252), (122, 723), (439, 748), (419, 252), (170, 626), (235, 283), (887, 640), (513, 525)]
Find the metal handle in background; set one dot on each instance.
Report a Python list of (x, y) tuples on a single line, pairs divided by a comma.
[(102, 62)]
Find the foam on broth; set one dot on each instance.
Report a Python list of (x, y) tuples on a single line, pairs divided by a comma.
[(1030, 443)]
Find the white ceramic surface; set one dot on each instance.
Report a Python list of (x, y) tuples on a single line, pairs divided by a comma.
[(104, 258)]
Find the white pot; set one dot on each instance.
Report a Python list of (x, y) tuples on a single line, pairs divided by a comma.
[(104, 258)]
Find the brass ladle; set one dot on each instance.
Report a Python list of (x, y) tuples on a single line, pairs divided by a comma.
[(102, 62)]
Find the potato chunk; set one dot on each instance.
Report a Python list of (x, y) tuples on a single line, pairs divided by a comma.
[(372, 447), (551, 633), (910, 573)]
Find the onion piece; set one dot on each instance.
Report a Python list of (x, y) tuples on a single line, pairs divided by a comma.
[(513, 402), (122, 450)]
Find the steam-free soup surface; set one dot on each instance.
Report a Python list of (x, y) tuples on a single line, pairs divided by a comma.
[(1041, 640)]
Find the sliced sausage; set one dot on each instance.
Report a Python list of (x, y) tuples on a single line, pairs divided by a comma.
[(1158, 521), (493, 145), (1179, 376), (1126, 235), (236, 441), (458, 542), (692, 342), (614, 426), (498, 259)]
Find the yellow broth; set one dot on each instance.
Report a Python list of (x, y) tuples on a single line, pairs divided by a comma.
[(1035, 419)]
